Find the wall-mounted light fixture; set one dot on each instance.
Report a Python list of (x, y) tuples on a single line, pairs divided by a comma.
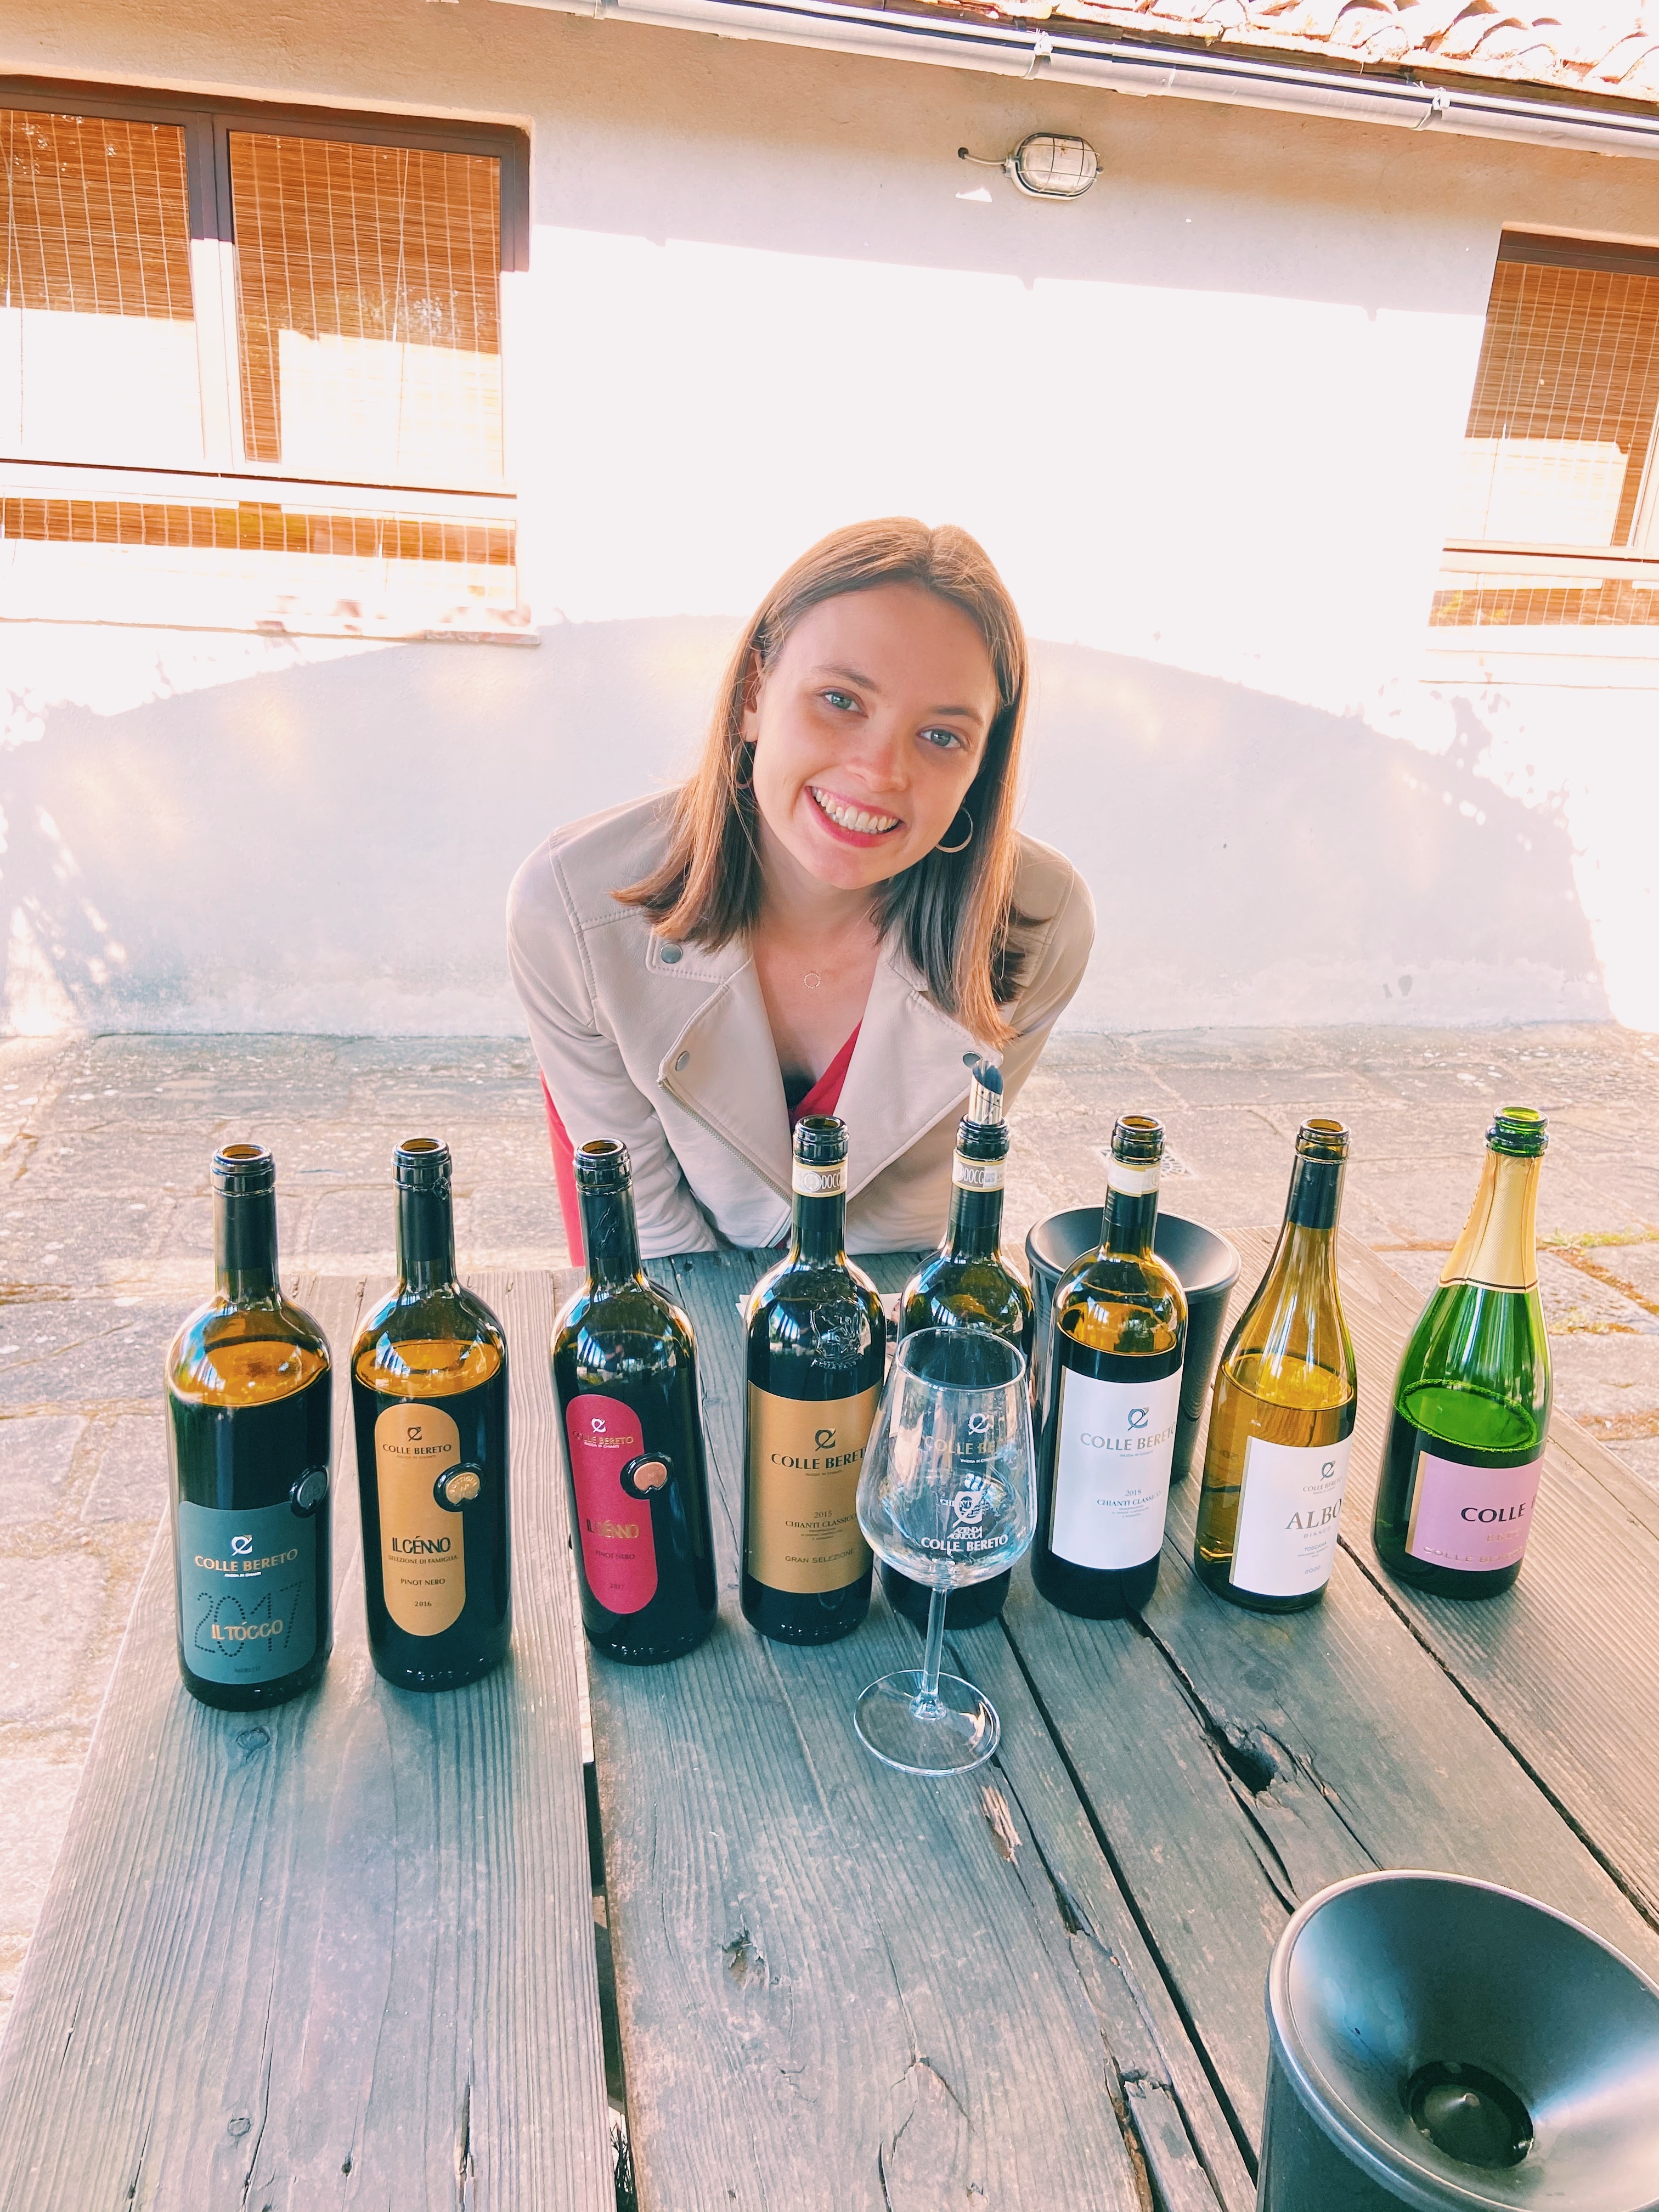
[(1045, 165)]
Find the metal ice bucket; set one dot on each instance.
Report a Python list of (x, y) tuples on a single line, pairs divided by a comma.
[(1446, 2044)]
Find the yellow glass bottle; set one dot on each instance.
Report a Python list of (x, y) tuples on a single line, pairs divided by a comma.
[(1281, 1421)]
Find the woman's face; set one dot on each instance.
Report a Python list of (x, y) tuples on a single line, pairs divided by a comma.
[(868, 729)]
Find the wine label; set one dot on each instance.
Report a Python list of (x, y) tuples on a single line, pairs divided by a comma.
[(978, 1175), (619, 1549), (1290, 1506), (422, 1547), (247, 1591), (1112, 1468), (1134, 1181), (819, 1182), (1473, 1518), (802, 1464)]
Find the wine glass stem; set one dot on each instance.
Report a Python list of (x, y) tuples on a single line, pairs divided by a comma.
[(928, 1693)]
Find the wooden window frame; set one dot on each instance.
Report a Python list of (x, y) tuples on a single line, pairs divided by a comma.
[(207, 127), (1638, 561), (225, 470)]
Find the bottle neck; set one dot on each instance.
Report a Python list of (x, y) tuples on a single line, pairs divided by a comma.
[(975, 1230), (611, 1238), (426, 1239), (244, 1246), (1499, 1246), (1128, 1225), (818, 1233)]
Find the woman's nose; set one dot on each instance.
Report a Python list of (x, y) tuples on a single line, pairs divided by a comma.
[(879, 763)]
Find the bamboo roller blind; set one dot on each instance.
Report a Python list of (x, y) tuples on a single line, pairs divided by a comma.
[(97, 217), (368, 309), (1564, 401)]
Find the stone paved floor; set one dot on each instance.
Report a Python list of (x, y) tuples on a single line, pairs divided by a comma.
[(105, 1243)]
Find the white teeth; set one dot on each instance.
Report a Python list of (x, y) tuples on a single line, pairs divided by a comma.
[(853, 818)]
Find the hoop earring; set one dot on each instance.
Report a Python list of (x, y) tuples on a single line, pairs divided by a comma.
[(740, 782), (952, 824)]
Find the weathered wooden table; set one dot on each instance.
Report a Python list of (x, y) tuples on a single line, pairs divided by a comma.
[(344, 1956)]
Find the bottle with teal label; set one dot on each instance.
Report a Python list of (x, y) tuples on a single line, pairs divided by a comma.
[(1472, 1399), (249, 1389)]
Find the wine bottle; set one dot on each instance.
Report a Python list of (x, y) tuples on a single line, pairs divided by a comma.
[(1472, 1399), (967, 1284), (1112, 1400), (250, 1393), (429, 1388), (817, 1348), (1281, 1420), (625, 1376)]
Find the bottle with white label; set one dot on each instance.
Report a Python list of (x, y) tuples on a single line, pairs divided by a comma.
[(1113, 1397), (428, 1389), (249, 1389), (1471, 1399), (1281, 1420), (625, 1376)]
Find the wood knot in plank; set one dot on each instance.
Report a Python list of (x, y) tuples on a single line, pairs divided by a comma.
[(745, 1961)]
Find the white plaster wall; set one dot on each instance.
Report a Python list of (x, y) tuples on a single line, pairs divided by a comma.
[(1204, 419)]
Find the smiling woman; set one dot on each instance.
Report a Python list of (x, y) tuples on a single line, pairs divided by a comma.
[(831, 915)]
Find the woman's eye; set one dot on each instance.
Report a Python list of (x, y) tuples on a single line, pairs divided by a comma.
[(843, 702), (945, 739)]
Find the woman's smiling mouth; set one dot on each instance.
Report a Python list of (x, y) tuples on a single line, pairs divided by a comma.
[(852, 821)]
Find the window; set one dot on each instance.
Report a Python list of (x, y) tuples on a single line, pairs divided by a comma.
[(251, 367), (1556, 519)]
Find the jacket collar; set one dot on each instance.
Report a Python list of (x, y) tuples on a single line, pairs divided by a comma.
[(907, 1072)]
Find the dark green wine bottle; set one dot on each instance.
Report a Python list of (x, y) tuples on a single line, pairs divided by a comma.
[(250, 1392), (1472, 1399), (1112, 1400), (428, 1387), (967, 1284), (625, 1376), (817, 1346)]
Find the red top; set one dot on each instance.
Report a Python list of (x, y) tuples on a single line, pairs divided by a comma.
[(825, 1095)]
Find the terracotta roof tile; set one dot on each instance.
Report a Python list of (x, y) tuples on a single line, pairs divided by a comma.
[(1604, 45)]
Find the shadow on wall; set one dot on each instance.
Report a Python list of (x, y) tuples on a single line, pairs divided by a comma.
[(327, 848)]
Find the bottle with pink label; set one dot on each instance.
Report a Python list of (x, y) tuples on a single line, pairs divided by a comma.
[(1471, 1399), (625, 1376)]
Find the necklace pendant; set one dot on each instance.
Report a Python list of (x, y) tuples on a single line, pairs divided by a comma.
[(812, 979)]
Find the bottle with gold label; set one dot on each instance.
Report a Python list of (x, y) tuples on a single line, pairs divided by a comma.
[(625, 1376), (817, 1346), (967, 1284), (249, 1389), (1281, 1420), (1472, 1399), (428, 1389)]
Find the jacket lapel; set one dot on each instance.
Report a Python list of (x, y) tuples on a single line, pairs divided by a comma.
[(723, 1067), (908, 1070)]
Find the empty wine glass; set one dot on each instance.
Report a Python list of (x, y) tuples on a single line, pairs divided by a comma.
[(946, 1497)]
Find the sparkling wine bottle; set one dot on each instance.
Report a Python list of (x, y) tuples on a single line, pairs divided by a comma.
[(967, 1284), (428, 1389), (1281, 1421), (1472, 1399), (625, 1376), (817, 1344), (249, 1389), (1112, 1400)]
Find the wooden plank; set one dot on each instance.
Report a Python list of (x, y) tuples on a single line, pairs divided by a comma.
[(1234, 1762), (833, 1991), (340, 1953), (1558, 1665)]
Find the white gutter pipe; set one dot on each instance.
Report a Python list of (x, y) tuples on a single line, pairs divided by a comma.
[(1126, 65)]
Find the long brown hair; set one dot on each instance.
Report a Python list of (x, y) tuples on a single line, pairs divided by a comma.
[(956, 911)]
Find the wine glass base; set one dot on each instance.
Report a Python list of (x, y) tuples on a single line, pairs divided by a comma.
[(957, 1730)]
